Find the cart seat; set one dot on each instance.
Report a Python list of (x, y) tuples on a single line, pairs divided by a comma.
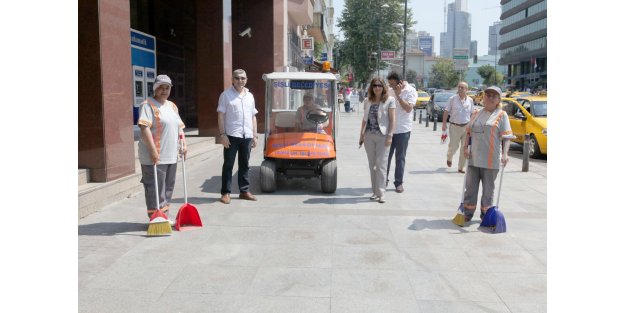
[(285, 121)]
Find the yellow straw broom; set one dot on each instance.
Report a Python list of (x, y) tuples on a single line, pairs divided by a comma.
[(159, 223)]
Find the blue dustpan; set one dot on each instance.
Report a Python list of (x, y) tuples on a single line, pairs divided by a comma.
[(493, 217), (490, 218), (500, 224)]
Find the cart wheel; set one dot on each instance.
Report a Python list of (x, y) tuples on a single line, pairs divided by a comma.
[(328, 176), (268, 176)]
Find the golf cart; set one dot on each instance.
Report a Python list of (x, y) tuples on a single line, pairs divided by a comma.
[(300, 128)]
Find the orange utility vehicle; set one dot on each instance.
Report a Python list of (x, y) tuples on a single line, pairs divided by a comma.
[(300, 131)]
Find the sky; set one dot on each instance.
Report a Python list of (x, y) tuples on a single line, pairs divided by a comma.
[(429, 14)]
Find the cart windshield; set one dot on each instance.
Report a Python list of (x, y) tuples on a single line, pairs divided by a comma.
[(301, 106)]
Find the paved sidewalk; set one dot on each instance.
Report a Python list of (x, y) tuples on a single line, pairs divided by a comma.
[(299, 250)]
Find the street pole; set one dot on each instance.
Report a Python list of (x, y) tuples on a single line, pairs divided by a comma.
[(377, 59), (405, 21)]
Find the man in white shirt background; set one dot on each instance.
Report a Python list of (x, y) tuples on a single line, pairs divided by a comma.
[(459, 108)]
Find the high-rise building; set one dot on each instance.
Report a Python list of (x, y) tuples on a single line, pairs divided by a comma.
[(426, 43), (473, 49), (494, 38), (458, 32), (524, 43)]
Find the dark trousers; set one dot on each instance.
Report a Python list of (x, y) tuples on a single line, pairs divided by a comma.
[(244, 148), (347, 106), (399, 143)]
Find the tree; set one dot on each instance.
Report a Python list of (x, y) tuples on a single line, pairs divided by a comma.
[(411, 76), (360, 23), (490, 75), (443, 74)]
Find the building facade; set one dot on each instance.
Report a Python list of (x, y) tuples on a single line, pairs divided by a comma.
[(458, 31), (523, 44), (198, 43), (494, 38)]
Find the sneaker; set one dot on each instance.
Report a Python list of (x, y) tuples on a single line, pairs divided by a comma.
[(374, 197), (381, 200)]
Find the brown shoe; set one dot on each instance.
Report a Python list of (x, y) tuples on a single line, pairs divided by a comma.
[(461, 171), (225, 198), (448, 163), (399, 189), (247, 196)]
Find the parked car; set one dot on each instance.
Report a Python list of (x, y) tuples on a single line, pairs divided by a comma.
[(437, 105), (422, 99), (528, 115)]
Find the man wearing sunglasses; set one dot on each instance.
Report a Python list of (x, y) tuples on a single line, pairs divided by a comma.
[(236, 116)]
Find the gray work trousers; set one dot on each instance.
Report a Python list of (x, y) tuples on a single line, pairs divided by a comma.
[(377, 154), (474, 176), (166, 180)]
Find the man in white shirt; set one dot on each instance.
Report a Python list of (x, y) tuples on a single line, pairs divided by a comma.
[(459, 109), (236, 116), (406, 97)]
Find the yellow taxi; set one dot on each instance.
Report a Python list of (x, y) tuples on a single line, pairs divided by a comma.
[(477, 98), (422, 99), (528, 115)]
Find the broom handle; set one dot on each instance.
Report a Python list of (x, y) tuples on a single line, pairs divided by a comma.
[(184, 170), (500, 180), (464, 184), (184, 179), (158, 205)]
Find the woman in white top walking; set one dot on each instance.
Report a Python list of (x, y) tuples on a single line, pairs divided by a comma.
[(376, 132)]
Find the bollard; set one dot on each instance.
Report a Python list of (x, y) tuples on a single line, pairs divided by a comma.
[(420, 115), (526, 153), (435, 121), (427, 120), (414, 114)]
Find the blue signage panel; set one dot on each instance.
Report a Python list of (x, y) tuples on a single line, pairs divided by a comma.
[(143, 58), (324, 56), (140, 40), (425, 44)]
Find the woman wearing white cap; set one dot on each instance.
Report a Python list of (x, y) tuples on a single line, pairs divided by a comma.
[(161, 130), (488, 132)]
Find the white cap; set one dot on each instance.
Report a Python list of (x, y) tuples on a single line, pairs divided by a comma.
[(162, 80)]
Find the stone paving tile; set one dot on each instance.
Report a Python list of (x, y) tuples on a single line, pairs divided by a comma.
[(431, 306), (468, 286), (271, 304), (292, 282), (519, 287), (210, 279), (374, 304), (370, 283), (366, 257)]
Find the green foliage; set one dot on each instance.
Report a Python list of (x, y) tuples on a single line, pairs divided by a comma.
[(317, 51), (411, 76), (490, 75), (443, 74), (360, 24)]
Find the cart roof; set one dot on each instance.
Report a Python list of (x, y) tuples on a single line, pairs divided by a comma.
[(299, 75)]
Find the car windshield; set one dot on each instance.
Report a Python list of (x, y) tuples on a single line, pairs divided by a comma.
[(298, 105), (539, 108), (441, 99), (423, 95)]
